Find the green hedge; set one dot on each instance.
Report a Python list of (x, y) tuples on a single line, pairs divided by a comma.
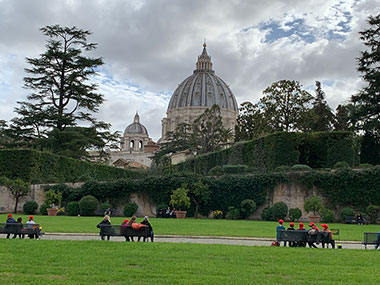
[(347, 187), (317, 150), (43, 167), (225, 191)]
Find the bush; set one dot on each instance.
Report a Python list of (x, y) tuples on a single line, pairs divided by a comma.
[(130, 209), (346, 211), (105, 206), (235, 169), (247, 207), (53, 198), (341, 164), (373, 213), (43, 209), (327, 215), (280, 210), (87, 205), (217, 170), (282, 168), (72, 208), (301, 167), (233, 213), (267, 214), (295, 214), (30, 207), (365, 165), (313, 204)]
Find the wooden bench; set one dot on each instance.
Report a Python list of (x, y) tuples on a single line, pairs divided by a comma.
[(370, 238), (303, 237), (125, 231), (25, 229)]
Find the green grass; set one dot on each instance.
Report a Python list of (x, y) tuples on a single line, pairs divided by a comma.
[(85, 262), (198, 227)]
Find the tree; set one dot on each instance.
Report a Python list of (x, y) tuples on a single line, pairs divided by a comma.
[(179, 198), (321, 114), (208, 131), (199, 193), (367, 101), (18, 189), (343, 118), (251, 122), (313, 204), (285, 103), (62, 94)]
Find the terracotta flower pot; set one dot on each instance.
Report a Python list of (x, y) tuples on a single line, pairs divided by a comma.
[(180, 214), (314, 219), (52, 211)]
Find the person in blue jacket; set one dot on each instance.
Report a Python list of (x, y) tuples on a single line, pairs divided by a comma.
[(9, 222), (280, 227)]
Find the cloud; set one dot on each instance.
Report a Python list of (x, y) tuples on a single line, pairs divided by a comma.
[(149, 47)]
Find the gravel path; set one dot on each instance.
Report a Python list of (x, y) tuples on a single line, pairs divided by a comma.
[(192, 239)]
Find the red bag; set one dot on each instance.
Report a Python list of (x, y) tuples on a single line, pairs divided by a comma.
[(275, 243)]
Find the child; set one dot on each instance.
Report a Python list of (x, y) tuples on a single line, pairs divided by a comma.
[(280, 227)]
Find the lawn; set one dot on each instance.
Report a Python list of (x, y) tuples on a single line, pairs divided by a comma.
[(189, 226), (85, 262)]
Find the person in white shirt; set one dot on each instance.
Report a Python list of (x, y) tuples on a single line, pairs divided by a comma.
[(30, 224)]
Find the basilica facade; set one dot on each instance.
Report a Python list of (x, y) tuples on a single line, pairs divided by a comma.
[(198, 92)]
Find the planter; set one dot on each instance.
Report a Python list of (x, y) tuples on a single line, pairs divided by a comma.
[(52, 211), (180, 214), (314, 219)]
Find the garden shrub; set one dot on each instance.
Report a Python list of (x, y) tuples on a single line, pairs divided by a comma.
[(217, 214), (313, 204), (130, 209), (72, 208), (247, 207), (87, 205), (301, 167), (217, 170), (327, 215), (267, 214), (282, 168), (280, 211), (365, 165), (345, 212), (30, 207), (235, 169), (341, 164), (43, 209), (233, 213), (373, 213), (105, 206), (295, 214)]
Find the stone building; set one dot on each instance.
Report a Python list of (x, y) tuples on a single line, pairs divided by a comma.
[(136, 147), (198, 92)]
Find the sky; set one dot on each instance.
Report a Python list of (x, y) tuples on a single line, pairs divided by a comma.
[(149, 47)]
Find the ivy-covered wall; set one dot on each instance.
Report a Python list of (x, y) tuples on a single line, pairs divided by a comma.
[(42, 167), (318, 150)]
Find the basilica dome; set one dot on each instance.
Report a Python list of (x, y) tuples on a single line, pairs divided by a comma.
[(196, 94), (203, 88), (136, 127)]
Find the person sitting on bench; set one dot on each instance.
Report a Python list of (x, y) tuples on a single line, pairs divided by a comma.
[(291, 228), (313, 233), (9, 224), (147, 224), (105, 228), (327, 234), (377, 241), (30, 225), (301, 229)]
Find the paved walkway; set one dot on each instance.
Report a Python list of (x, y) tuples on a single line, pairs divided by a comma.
[(191, 239)]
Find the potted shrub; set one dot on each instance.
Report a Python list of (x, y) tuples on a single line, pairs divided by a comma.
[(180, 201), (314, 205), (53, 200)]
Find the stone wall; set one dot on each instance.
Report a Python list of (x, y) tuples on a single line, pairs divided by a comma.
[(293, 194)]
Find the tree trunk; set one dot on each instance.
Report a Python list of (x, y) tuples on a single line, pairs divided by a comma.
[(15, 211), (196, 209)]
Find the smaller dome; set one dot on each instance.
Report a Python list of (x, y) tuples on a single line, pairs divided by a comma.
[(136, 127)]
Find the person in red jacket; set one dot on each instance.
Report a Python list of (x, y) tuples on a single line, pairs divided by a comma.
[(327, 236)]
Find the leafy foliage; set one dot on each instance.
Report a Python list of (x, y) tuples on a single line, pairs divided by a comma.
[(247, 207), (53, 198), (44, 167), (313, 204), (43, 209), (72, 208), (280, 211), (130, 209), (295, 214), (373, 213), (327, 215), (30, 207), (179, 198), (88, 205)]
